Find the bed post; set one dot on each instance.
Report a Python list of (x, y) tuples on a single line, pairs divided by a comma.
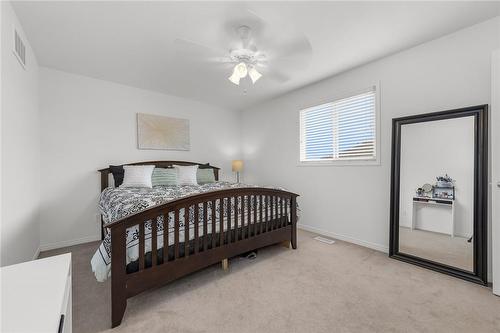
[(104, 184), (118, 275), (293, 208), (104, 178)]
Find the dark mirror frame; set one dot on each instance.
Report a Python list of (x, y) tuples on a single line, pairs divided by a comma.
[(480, 114)]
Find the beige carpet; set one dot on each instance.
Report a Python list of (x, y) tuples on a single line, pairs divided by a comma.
[(316, 288), (456, 251)]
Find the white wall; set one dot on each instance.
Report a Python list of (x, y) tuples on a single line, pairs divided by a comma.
[(495, 162), (352, 202), (431, 149), (20, 148), (87, 124)]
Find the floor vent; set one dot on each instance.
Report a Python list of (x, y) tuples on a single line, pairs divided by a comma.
[(19, 49), (324, 240)]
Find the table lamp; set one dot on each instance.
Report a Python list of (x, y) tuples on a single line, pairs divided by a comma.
[(237, 167)]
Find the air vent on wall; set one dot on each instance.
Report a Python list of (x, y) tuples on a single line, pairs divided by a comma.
[(19, 49)]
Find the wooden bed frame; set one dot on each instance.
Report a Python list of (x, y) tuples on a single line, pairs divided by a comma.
[(247, 235)]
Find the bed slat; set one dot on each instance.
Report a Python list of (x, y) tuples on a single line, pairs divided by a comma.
[(213, 222), (266, 213), (196, 231), (271, 209), (282, 213), (275, 218), (262, 214), (221, 222), (244, 217), (254, 215), (176, 233), (236, 215), (228, 214), (266, 206), (186, 231), (271, 213), (154, 225), (293, 220), (141, 246), (165, 237), (205, 227), (251, 219)]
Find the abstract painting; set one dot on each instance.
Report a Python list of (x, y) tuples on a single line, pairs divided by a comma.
[(159, 132)]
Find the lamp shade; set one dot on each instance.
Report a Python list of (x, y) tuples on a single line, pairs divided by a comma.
[(235, 77), (237, 165), (254, 74)]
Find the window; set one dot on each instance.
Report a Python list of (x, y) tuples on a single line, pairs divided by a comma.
[(341, 130)]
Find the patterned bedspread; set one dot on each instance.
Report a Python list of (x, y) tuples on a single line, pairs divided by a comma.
[(117, 203)]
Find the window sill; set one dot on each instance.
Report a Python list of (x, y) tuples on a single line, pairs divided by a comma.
[(339, 163)]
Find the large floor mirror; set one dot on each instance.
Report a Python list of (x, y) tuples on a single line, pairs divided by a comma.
[(439, 191)]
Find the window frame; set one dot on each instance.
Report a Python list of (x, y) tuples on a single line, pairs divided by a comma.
[(346, 162)]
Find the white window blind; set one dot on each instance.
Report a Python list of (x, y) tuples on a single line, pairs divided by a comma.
[(341, 130)]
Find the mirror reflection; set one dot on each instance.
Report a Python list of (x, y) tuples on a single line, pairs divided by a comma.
[(436, 211)]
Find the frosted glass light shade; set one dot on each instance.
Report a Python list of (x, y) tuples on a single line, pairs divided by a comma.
[(242, 69), (237, 165), (235, 78), (254, 74)]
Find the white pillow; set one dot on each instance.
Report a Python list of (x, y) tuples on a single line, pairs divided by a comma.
[(186, 174), (137, 176)]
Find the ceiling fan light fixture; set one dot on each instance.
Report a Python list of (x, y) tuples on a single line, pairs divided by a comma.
[(242, 69), (254, 74), (235, 78)]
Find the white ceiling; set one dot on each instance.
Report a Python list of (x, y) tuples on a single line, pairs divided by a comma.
[(132, 42)]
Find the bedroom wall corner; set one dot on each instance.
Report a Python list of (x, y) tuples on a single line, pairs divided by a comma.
[(88, 123), (20, 149)]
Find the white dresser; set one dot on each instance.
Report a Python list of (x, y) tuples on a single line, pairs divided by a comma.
[(36, 295)]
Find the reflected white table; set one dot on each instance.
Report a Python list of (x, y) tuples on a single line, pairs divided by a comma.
[(427, 201)]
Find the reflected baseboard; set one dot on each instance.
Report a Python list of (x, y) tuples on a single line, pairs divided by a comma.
[(436, 232)]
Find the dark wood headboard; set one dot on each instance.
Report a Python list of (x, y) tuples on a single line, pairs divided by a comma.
[(159, 164)]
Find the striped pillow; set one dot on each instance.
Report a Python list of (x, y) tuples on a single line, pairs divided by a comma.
[(205, 176), (162, 176)]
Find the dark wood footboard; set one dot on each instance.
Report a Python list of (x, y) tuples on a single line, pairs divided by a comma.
[(272, 222)]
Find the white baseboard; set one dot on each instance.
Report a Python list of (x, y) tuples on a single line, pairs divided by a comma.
[(57, 245), (37, 253), (349, 239)]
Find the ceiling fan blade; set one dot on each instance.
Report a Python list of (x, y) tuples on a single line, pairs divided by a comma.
[(299, 47), (292, 58), (246, 18), (273, 74), (200, 52)]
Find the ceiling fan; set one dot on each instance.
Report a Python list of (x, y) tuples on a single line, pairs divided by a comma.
[(249, 47)]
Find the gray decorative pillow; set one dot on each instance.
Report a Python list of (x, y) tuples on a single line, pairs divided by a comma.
[(205, 176), (164, 176)]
